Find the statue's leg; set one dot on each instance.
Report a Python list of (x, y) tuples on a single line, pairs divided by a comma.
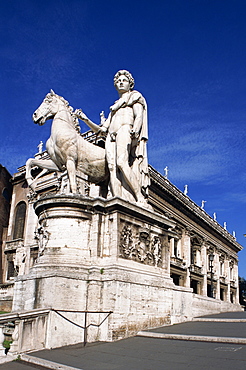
[(71, 170), (114, 182), (44, 171), (29, 178), (46, 165), (123, 144)]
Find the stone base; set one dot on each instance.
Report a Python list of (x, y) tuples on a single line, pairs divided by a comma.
[(99, 255)]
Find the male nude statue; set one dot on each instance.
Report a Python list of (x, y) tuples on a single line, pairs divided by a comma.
[(126, 129)]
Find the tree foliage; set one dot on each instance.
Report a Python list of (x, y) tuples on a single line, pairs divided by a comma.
[(242, 291)]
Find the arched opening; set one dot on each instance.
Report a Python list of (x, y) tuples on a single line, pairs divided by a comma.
[(20, 217)]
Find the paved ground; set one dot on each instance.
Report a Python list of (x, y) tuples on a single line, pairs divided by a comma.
[(140, 353)]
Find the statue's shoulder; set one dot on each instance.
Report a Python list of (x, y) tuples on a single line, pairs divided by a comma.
[(135, 94), (136, 97)]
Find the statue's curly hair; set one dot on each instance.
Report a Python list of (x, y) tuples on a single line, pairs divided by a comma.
[(127, 74)]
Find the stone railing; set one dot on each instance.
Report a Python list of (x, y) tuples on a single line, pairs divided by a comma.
[(27, 330), (49, 328)]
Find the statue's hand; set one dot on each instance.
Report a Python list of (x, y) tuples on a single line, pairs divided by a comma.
[(134, 134), (102, 131), (81, 115)]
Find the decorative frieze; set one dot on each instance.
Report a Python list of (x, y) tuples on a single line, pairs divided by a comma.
[(140, 246)]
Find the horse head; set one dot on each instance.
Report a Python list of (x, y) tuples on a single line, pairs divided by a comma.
[(48, 108)]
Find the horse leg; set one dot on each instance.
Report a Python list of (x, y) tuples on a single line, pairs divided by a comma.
[(45, 170), (29, 165), (46, 165), (71, 170)]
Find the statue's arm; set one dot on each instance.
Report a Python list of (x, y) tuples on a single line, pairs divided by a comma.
[(138, 119), (105, 124), (81, 115)]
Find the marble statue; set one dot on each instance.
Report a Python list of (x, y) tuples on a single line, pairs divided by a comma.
[(20, 258), (123, 163), (66, 147), (166, 170), (203, 204), (126, 138)]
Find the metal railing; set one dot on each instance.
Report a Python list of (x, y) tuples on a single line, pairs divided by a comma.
[(85, 327)]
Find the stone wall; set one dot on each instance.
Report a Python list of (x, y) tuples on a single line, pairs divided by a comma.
[(107, 256)]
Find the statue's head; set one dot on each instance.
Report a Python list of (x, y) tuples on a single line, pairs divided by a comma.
[(127, 74)]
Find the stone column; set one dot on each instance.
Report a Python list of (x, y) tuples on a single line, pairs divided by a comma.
[(166, 254), (204, 269), (217, 291), (216, 270), (186, 253), (227, 274), (236, 282), (228, 293)]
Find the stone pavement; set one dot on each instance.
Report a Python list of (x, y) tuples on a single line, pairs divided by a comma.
[(149, 351)]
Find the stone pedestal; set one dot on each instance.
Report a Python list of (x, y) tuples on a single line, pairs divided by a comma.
[(100, 255)]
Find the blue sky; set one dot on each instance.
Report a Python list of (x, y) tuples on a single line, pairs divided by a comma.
[(188, 58)]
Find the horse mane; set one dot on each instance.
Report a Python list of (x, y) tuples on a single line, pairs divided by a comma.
[(69, 107)]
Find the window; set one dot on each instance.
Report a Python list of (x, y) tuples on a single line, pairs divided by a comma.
[(176, 279), (20, 217), (6, 194), (11, 273), (194, 284), (10, 270), (231, 297), (209, 291)]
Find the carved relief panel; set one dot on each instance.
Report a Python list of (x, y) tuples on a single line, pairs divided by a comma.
[(141, 245)]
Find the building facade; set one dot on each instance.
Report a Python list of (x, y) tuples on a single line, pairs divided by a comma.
[(203, 254), (5, 200)]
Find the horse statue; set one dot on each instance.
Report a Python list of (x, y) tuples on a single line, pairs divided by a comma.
[(67, 149)]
